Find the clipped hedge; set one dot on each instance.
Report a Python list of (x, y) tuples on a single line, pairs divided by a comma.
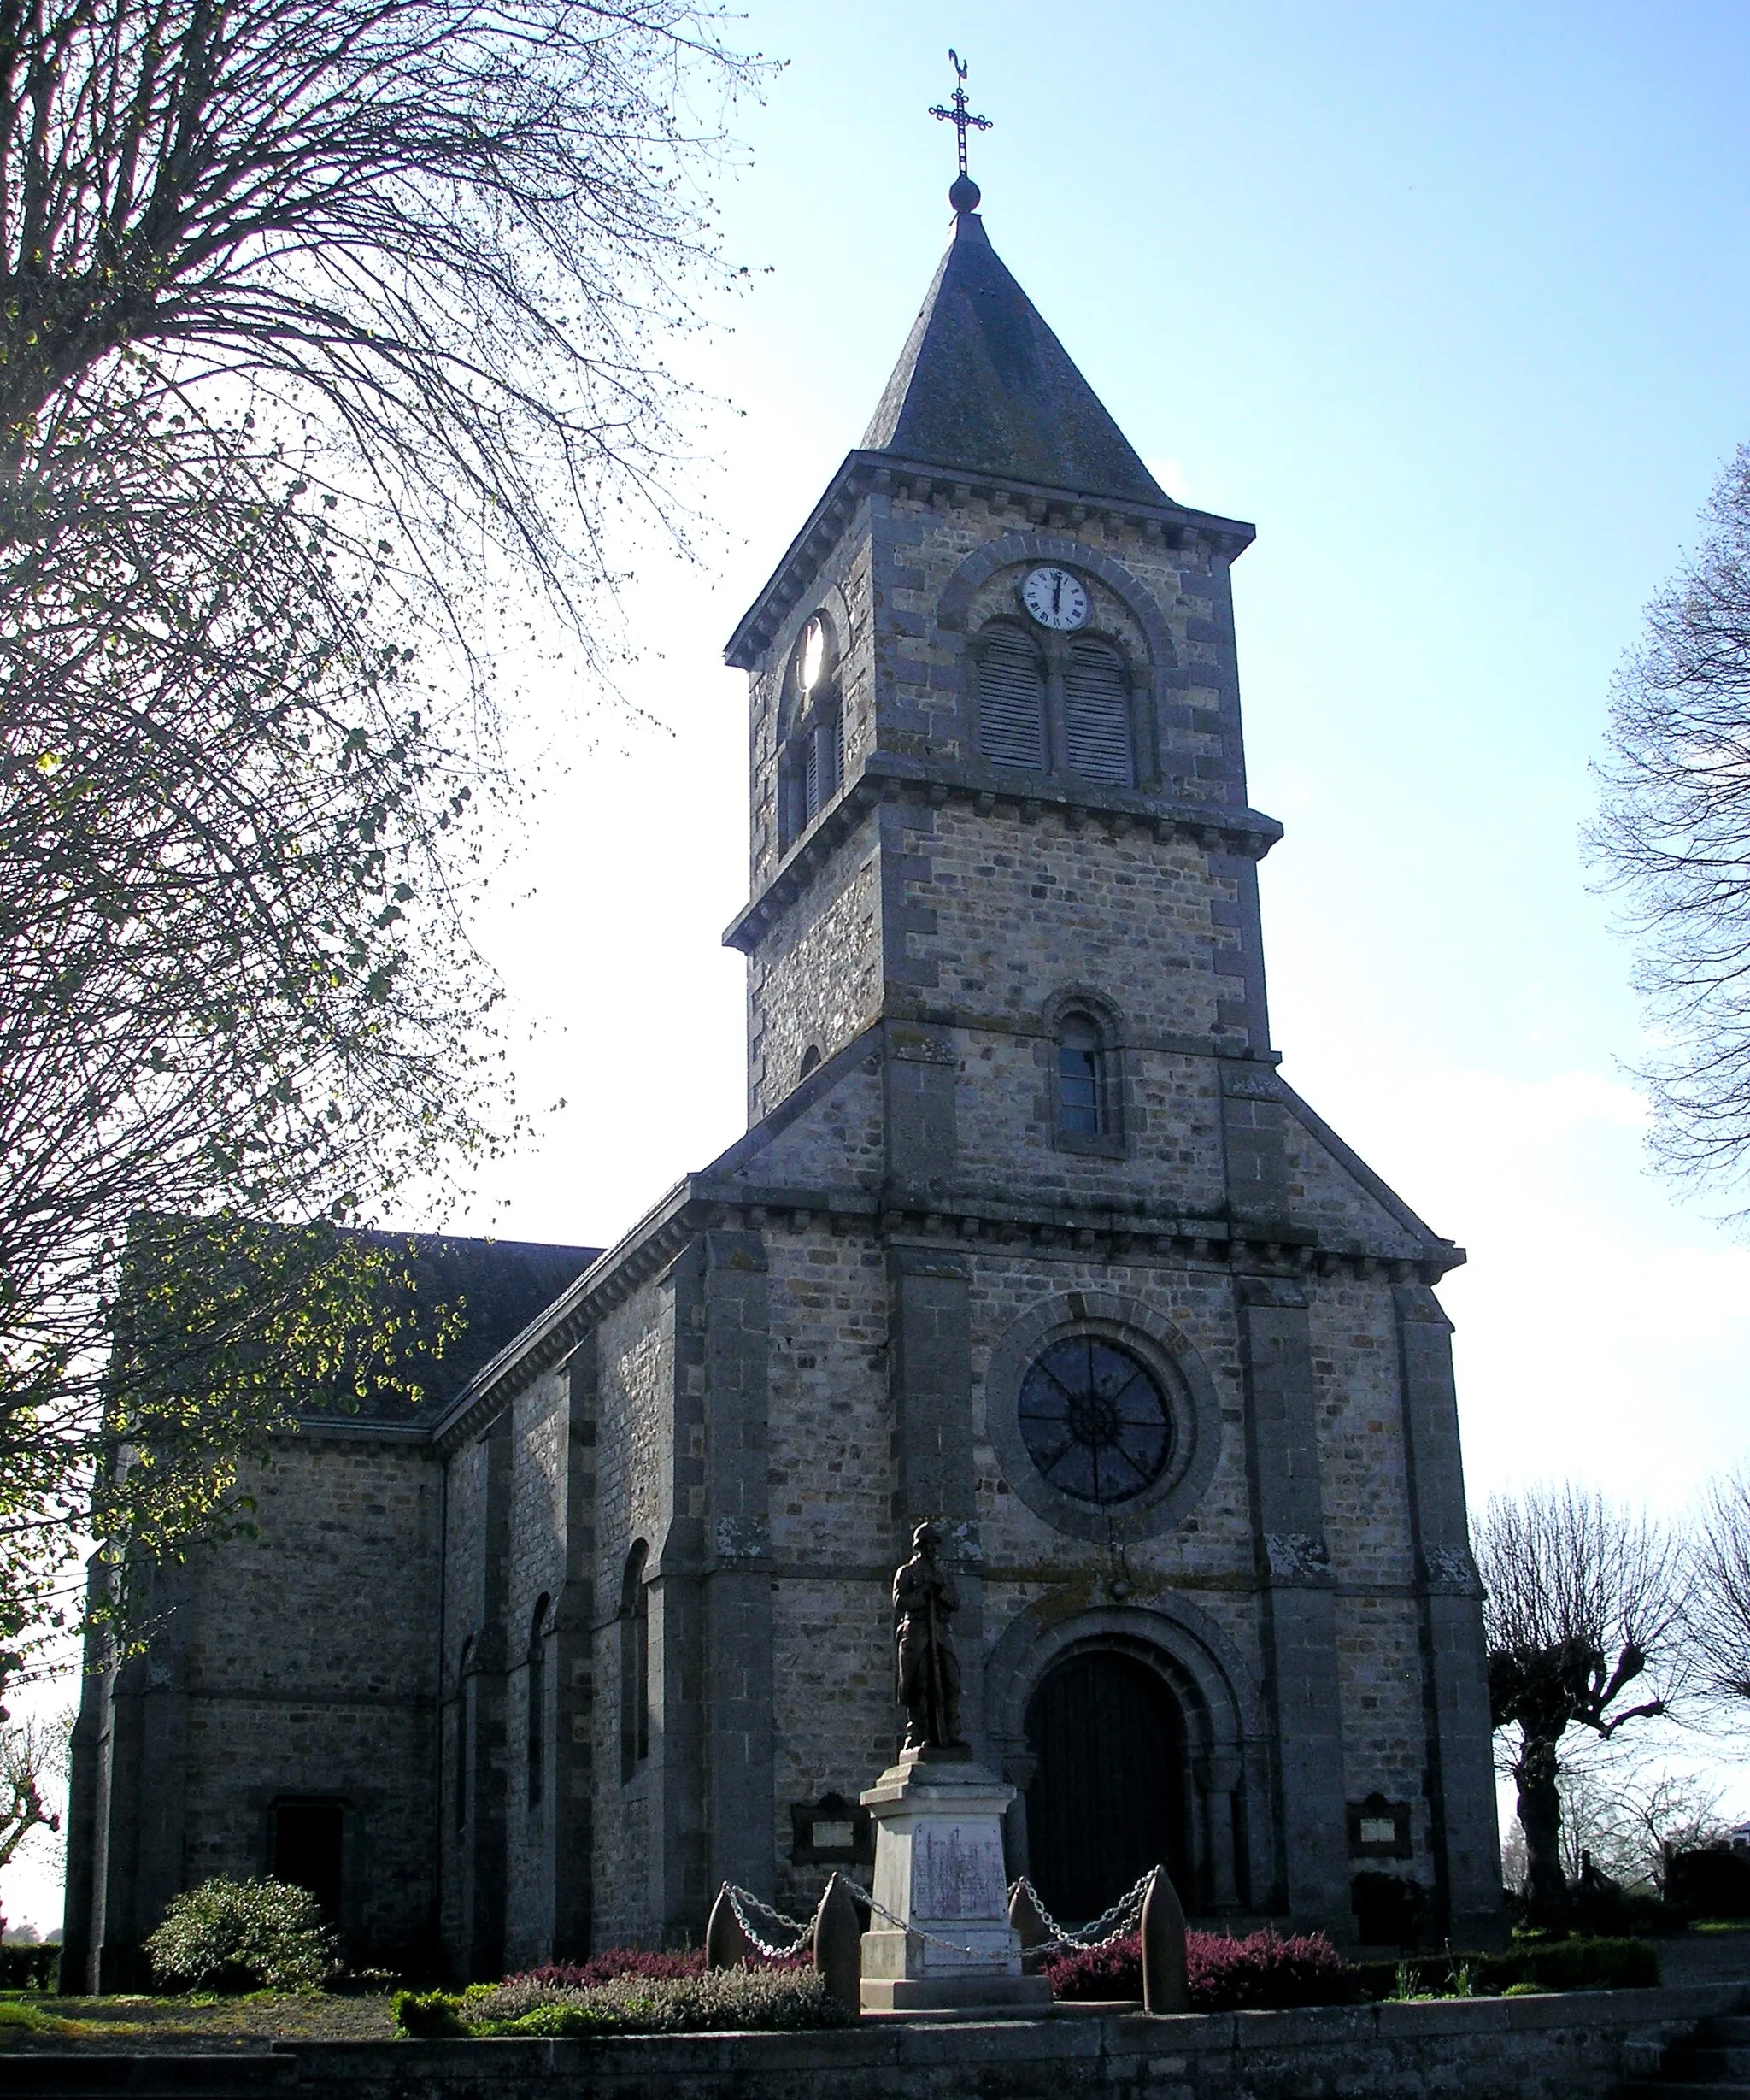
[(1547, 1965), (1260, 1972), (30, 1965), (715, 2000), (242, 1936)]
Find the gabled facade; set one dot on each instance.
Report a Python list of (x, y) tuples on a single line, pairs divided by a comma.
[(1027, 1235)]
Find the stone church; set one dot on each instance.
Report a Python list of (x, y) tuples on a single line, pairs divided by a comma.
[(1026, 1234)]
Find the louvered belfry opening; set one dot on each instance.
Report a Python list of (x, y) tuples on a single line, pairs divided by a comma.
[(1096, 703), (1011, 700)]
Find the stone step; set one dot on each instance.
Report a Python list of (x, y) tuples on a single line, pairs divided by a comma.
[(1706, 2058), (1728, 2028), (48, 2075), (1668, 2088)]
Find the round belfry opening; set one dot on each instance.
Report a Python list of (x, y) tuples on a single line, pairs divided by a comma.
[(1094, 1420)]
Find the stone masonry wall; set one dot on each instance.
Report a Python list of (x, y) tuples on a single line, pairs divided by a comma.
[(311, 1666), (535, 1576), (635, 1372)]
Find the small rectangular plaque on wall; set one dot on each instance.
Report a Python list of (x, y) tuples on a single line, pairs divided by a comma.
[(830, 1832), (1380, 1829)]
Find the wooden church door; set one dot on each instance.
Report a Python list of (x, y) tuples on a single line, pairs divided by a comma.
[(1107, 1801)]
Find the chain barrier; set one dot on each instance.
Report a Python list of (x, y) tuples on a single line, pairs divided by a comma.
[(935, 1939), (804, 1933), (1124, 1916)]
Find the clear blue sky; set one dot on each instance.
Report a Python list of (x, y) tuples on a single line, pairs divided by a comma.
[(1453, 304)]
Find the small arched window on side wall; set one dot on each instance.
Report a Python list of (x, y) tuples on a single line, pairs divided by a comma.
[(1086, 1091), (1097, 714), (811, 1060), (810, 761), (1011, 700), (537, 1704), (634, 1664), (464, 1693)]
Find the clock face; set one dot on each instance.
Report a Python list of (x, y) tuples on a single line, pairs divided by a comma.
[(1055, 599)]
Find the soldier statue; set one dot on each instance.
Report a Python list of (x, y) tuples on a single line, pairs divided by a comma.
[(927, 1667)]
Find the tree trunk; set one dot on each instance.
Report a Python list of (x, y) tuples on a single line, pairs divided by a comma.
[(1540, 1818)]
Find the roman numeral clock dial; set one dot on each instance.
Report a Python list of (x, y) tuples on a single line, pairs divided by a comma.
[(1055, 599)]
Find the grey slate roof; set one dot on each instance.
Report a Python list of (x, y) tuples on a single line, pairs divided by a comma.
[(983, 384), (496, 1288)]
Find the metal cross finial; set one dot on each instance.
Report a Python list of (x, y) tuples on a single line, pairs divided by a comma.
[(960, 116)]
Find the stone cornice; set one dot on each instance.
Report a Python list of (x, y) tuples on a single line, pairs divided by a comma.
[(643, 1252), (863, 474), (893, 776), (1155, 1234)]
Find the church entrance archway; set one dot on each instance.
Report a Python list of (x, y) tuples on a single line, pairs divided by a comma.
[(1106, 1800)]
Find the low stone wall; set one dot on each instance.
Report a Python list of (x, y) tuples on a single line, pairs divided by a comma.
[(1578, 2046)]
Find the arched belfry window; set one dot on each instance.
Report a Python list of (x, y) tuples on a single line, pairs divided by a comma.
[(1096, 712), (634, 1663), (537, 1704), (811, 763), (1011, 699)]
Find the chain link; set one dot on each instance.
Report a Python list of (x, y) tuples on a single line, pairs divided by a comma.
[(880, 1910), (804, 1932), (1123, 1917)]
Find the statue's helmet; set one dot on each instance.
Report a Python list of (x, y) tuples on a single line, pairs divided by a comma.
[(926, 1538)]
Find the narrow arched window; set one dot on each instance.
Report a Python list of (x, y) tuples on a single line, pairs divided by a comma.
[(811, 765), (1011, 700), (1096, 711), (634, 1663), (464, 1693), (1081, 1077), (537, 1704)]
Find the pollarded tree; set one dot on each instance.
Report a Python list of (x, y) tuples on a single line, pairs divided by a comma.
[(1580, 1601), (1673, 836), (1718, 1603)]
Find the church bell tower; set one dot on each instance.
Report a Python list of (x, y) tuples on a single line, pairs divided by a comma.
[(998, 779), (1151, 1334)]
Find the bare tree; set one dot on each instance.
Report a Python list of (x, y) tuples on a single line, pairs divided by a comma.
[(452, 230), (320, 318), (1626, 1822), (1673, 836), (33, 1758), (1579, 1600), (1718, 1603), (235, 989)]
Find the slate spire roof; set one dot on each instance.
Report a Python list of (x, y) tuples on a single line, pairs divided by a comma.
[(984, 385)]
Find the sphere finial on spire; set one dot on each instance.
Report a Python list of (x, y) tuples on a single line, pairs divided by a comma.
[(964, 195)]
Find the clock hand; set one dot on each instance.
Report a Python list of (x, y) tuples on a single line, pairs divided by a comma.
[(1056, 593)]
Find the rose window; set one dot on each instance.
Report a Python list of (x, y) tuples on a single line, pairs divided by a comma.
[(1094, 1420)]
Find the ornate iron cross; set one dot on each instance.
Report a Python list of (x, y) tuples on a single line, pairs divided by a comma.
[(960, 116)]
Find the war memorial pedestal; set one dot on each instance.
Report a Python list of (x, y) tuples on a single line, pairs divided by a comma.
[(938, 1868)]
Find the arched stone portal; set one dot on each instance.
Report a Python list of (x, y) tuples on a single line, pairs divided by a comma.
[(1107, 1798), (1213, 1803)]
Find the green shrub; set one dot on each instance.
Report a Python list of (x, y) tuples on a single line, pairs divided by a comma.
[(242, 1936), (1588, 1965), (1539, 1964), (430, 2016), (33, 1967), (1521, 1990), (714, 2002)]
